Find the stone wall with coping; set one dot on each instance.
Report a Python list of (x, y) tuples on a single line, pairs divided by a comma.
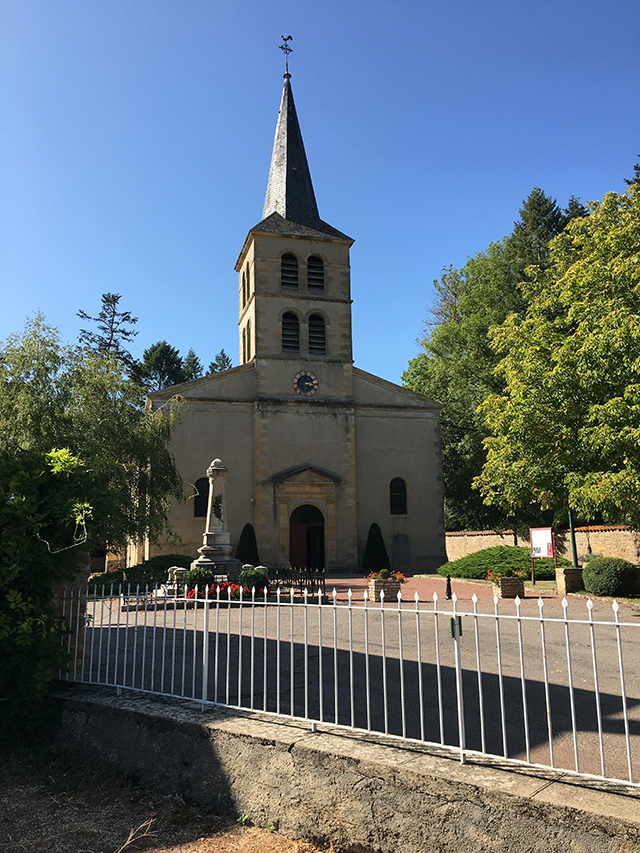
[(363, 793), (601, 540)]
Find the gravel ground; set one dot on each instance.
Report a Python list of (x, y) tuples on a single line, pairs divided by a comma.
[(48, 806)]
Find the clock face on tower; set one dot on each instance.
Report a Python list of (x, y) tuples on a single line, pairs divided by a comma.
[(305, 384)]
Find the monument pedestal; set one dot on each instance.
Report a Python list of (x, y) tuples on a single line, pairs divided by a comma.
[(215, 553)]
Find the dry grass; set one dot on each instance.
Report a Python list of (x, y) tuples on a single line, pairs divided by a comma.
[(47, 804)]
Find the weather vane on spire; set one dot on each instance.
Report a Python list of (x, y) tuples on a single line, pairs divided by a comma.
[(284, 47)]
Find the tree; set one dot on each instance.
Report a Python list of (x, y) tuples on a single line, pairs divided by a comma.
[(221, 362), (540, 220), (44, 514), (375, 555), (112, 334), (53, 396), (636, 175), (565, 431), (82, 466), (192, 367), (575, 209), (162, 366), (247, 548), (456, 367)]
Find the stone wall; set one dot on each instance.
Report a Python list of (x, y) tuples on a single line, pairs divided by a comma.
[(361, 792), (601, 540)]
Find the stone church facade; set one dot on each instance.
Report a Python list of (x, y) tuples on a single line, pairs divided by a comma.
[(316, 449)]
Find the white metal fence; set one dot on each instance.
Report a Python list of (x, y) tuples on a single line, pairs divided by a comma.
[(549, 691)]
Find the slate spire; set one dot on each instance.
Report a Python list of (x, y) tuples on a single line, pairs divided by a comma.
[(290, 191)]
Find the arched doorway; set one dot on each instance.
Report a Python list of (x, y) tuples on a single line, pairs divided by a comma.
[(306, 538)]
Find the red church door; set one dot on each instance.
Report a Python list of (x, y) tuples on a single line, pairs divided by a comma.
[(306, 538)]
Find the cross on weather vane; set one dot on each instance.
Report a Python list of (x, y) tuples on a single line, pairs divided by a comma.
[(284, 47)]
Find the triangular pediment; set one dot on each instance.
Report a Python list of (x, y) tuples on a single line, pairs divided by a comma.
[(237, 383), (306, 475), (371, 390)]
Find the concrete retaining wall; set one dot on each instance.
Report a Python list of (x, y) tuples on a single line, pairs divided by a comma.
[(364, 794), (604, 541)]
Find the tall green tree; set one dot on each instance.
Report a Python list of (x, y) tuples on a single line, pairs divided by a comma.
[(83, 466), (114, 330), (44, 515), (565, 429), (456, 367), (636, 175), (162, 366), (56, 396), (220, 363), (192, 367)]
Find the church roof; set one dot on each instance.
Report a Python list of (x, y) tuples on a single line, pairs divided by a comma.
[(290, 190)]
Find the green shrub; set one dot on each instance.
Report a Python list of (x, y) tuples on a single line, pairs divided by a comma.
[(247, 548), (383, 574), (375, 555), (156, 569), (609, 576), (199, 576), (501, 558), (251, 578)]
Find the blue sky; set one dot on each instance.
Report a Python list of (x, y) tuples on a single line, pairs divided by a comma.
[(136, 138)]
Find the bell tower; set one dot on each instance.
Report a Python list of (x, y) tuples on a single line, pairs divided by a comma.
[(294, 282)]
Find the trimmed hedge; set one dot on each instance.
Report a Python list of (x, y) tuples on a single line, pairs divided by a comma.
[(105, 580), (247, 548), (154, 571), (610, 576), (375, 555), (501, 558)]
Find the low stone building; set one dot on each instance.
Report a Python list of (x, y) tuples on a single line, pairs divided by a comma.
[(316, 449)]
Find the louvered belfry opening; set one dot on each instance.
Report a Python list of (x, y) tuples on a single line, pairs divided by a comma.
[(290, 333), (317, 335), (315, 274), (289, 272)]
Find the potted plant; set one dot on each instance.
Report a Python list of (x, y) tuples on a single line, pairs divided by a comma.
[(508, 583), (387, 581)]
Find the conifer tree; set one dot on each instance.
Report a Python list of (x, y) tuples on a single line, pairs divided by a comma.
[(192, 367), (636, 175), (114, 330), (161, 366), (220, 363), (375, 555), (247, 548)]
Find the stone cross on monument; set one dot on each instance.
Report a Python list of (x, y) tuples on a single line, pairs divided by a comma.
[(215, 553)]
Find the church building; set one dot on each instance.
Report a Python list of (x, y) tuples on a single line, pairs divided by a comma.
[(316, 449)]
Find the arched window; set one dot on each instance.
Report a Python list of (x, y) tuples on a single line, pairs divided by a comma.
[(201, 498), (248, 340), (289, 272), (317, 335), (290, 333), (244, 345), (398, 496), (244, 290), (315, 274)]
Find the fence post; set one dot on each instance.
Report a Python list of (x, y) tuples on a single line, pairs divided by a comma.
[(205, 650), (456, 625)]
